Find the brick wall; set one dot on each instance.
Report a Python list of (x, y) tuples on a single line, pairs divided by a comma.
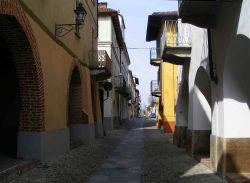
[(15, 28), (76, 115)]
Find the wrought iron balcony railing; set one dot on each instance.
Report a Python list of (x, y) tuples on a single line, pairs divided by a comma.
[(177, 34), (155, 88), (100, 64), (155, 56), (104, 60), (119, 82), (121, 86), (176, 42)]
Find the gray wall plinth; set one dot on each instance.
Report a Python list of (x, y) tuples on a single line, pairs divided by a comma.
[(43, 146), (83, 132), (99, 129), (108, 124)]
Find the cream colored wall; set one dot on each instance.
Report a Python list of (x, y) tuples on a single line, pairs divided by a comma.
[(57, 66), (50, 12)]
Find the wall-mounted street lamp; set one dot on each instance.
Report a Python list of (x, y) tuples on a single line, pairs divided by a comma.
[(63, 29)]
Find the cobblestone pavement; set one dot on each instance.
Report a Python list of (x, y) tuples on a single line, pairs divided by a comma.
[(140, 154), (164, 162), (124, 164), (77, 165)]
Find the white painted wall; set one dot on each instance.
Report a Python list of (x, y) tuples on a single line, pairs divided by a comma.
[(199, 58), (237, 88), (105, 43), (107, 40), (104, 30), (182, 105), (230, 111), (201, 111), (231, 55)]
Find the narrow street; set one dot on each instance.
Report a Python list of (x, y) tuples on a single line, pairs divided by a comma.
[(139, 152)]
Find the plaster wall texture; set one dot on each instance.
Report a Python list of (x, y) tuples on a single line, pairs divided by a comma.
[(236, 78), (182, 95), (182, 105), (199, 58), (105, 43), (61, 12), (104, 31), (108, 107), (230, 101), (57, 65), (168, 84), (202, 112), (230, 107), (108, 41), (56, 74)]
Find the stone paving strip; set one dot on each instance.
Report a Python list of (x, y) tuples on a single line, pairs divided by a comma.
[(165, 163), (124, 164), (77, 165)]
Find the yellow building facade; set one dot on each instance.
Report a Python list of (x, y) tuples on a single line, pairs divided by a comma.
[(165, 35), (168, 82), (50, 77)]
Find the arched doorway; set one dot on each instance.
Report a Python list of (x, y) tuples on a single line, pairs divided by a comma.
[(10, 101), (201, 113), (75, 107), (22, 98)]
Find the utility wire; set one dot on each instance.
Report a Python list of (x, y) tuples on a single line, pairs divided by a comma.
[(130, 48)]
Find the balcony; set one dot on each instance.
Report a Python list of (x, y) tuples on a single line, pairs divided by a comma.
[(155, 57), (155, 88), (199, 13), (100, 65), (176, 42), (121, 86)]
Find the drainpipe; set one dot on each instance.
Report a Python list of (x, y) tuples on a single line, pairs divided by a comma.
[(213, 75)]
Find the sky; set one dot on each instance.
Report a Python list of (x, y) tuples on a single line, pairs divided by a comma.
[(135, 14)]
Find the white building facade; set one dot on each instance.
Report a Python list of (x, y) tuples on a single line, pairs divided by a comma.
[(111, 39), (218, 83)]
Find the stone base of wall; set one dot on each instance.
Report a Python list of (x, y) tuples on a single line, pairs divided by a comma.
[(230, 155), (198, 141), (180, 136), (168, 126), (82, 132), (116, 122), (99, 129), (108, 125), (43, 146)]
